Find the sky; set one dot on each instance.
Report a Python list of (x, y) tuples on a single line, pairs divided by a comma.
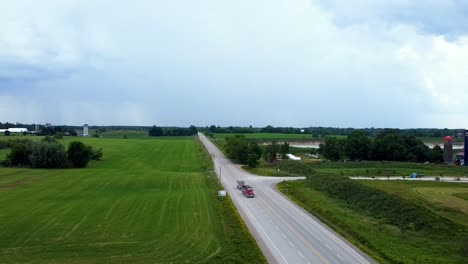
[(300, 63)]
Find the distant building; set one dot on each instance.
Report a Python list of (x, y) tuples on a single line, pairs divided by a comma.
[(461, 157), (85, 130), (448, 150), (14, 130)]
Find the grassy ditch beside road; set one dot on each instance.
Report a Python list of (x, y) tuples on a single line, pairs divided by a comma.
[(361, 168), (146, 201), (391, 228)]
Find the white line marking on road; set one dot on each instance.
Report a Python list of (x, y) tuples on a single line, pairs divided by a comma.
[(316, 237), (327, 246), (300, 254), (292, 245), (342, 244), (276, 227), (283, 235), (247, 211), (340, 257)]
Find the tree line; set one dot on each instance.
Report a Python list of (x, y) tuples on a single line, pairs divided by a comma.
[(390, 145), (249, 152), (156, 131), (318, 132), (48, 153)]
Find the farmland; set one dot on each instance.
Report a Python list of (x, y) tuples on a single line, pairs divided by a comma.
[(268, 136), (147, 201), (443, 198), (377, 235)]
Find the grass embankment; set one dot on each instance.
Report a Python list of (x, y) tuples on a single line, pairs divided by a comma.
[(390, 227), (367, 169), (147, 201), (446, 199)]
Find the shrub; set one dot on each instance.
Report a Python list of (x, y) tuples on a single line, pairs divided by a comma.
[(49, 139), (79, 154), (7, 133), (19, 155), (58, 135), (97, 155), (48, 155)]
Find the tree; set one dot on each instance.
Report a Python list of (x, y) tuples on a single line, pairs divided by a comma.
[(19, 155), (79, 154), (7, 133), (332, 148), (271, 152), (156, 132), (72, 132), (48, 155), (193, 130), (436, 155), (358, 146), (236, 148), (49, 139), (254, 154), (284, 150)]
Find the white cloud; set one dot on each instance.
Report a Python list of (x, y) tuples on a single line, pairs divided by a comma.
[(265, 62)]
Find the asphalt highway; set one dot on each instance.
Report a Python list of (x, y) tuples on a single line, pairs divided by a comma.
[(284, 231)]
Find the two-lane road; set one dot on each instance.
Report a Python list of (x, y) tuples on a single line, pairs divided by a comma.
[(284, 231)]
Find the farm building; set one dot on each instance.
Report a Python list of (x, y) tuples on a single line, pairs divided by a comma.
[(461, 157), (14, 130)]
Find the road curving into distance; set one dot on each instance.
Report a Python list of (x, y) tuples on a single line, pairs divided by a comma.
[(285, 232)]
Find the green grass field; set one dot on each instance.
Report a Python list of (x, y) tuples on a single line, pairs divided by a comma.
[(268, 136), (442, 198), (131, 134), (147, 201), (386, 243)]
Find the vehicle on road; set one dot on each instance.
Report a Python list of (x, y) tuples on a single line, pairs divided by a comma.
[(247, 190)]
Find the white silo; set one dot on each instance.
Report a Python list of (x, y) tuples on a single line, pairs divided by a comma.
[(85, 130)]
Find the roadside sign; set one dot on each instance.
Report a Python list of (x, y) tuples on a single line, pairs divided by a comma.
[(222, 193)]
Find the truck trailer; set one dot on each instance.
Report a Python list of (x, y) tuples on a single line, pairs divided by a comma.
[(247, 190)]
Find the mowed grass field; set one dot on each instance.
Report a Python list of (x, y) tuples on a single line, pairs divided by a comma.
[(445, 199), (147, 201), (387, 243)]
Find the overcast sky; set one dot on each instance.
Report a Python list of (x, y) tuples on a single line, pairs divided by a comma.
[(360, 63)]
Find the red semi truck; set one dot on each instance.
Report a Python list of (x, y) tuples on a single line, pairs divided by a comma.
[(247, 190)]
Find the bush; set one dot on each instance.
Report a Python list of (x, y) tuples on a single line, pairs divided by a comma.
[(7, 133), (48, 155), (58, 135), (79, 154), (19, 155), (97, 155), (49, 139)]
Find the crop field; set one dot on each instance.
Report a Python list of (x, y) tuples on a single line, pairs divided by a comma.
[(444, 198), (147, 201)]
